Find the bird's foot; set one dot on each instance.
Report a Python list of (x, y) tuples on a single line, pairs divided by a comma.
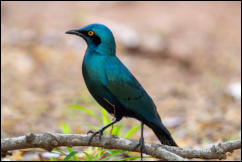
[(100, 132), (90, 131), (142, 147)]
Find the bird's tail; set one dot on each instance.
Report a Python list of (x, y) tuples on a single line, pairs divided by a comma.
[(163, 134)]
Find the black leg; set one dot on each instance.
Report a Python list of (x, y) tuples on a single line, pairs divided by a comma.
[(100, 132), (141, 141)]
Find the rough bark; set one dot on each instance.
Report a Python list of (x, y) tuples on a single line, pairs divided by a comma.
[(49, 141)]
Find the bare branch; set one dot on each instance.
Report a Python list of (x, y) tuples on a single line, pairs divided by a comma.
[(49, 141)]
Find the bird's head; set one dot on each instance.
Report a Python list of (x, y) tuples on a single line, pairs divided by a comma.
[(98, 38)]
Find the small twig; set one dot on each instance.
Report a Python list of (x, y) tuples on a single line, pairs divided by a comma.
[(49, 141)]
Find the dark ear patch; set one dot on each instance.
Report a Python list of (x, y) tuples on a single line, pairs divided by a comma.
[(95, 38)]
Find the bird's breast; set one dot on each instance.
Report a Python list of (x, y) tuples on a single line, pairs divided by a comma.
[(93, 74)]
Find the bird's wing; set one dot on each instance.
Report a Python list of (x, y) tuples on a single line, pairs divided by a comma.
[(127, 90)]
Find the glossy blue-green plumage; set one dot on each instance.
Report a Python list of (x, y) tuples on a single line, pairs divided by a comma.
[(113, 85)]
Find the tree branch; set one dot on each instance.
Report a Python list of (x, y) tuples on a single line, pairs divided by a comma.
[(49, 141)]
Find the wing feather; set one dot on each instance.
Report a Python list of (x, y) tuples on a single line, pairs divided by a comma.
[(128, 91)]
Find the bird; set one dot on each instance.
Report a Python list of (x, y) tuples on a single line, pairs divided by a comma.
[(114, 87)]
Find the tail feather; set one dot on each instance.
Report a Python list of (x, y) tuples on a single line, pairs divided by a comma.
[(165, 138), (162, 133)]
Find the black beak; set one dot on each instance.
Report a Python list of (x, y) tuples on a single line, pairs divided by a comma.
[(75, 32)]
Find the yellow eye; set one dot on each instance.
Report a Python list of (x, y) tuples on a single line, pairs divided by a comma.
[(90, 33)]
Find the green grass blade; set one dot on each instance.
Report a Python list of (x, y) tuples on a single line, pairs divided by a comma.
[(101, 152), (53, 159), (131, 131), (230, 139), (65, 128), (95, 150), (106, 120), (87, 111), (117, 130), (69, 149), (88, 156), (68, 157)]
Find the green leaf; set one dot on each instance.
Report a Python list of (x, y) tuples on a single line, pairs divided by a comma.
[(95, 150), (117, 130), (53, 159), (101, 151), (87, 111), (131, 131), (230, 139), (106, 120), (69, 149), (65, 128), (89, 149), (88, 156), (70, 155)]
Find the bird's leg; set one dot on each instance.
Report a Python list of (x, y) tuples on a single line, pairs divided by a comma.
[(114, 112), (141, 141), (100, 132)]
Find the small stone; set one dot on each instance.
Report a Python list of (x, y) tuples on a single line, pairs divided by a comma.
[(234, 90)]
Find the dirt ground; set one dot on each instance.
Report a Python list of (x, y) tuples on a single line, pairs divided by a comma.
[(185, 54)]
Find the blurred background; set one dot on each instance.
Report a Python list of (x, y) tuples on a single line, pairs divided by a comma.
[(187, 55)]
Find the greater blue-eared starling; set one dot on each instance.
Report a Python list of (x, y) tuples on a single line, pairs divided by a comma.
[(114, 87)]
